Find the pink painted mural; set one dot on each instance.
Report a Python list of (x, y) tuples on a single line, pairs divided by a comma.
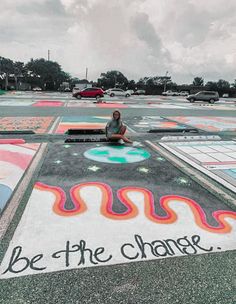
[(48, 103), (81, 122), (14, 161), (36, 124), (211, 124)]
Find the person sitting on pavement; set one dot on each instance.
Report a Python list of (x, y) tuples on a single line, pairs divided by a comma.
[(115, 129)]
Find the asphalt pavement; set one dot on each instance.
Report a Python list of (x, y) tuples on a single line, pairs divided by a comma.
[(84, 220)]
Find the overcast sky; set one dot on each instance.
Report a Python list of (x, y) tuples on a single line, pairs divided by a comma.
[(187, 38)]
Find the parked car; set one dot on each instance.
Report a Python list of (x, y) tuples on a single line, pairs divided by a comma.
[(170, 93), (225, 95), (139, 92), (131, 92), (37, 89), (117, 92), (89, 93), (183, 93), (208, 96)]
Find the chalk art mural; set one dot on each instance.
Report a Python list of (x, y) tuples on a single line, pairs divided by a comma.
[(91, 218), (81, 122), (36, 124), (146, 123), (48, 103), (212, 124), (16, 103), (117, 154), (14, 160), (215, 158), (93, 234)]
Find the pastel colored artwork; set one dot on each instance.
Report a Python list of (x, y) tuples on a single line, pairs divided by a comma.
[(83, 228), (14, 160), (132, 210)]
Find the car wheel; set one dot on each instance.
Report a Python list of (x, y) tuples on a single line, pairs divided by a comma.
[(211, 101), (78, 96), (112, 95), (127, 95), (192, 100), (98, 96)]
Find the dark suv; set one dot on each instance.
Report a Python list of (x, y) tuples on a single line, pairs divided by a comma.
[(89, 93), (209, 96)]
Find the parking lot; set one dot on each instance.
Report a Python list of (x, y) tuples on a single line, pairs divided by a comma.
[(98, 222)]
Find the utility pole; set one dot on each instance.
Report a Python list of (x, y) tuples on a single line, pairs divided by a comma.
[(165, 81), (48, 55), (86, 74)]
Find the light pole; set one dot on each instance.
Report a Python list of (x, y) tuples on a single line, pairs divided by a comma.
[(165, 81)]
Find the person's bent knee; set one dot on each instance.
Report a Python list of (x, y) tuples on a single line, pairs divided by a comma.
[(123, 130)]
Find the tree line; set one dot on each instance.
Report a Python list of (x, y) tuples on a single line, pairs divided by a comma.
[(48, 75)]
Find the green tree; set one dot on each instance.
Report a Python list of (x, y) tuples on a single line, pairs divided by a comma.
[(47, 74), (131, 85), (19, 72), (155, 84), (112, 79), (6, 68), (212, 86), (198, 81), (141, 83), (73, 81), (223, 84), (233, 85)]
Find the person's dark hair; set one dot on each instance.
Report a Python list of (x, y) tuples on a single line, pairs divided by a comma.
[(116, 111)]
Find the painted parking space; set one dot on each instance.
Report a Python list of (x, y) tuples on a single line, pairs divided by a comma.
[(217, 159), (210, 124), (35, 124), (14, 161), (16, 103), (48, 103), (81, 122), (143, 124), (86, 212), (34, 103)]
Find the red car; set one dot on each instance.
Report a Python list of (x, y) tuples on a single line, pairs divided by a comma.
[(89, 93)]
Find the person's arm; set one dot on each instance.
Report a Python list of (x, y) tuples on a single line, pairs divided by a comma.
[(107, 127)]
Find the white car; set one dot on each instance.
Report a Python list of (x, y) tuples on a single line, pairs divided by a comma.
[(170, 93), (37, 89), (226, 95), (183, 93), (117, 92)]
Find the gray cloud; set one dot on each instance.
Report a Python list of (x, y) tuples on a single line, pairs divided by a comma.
[(43, 8), (139, 37), (35, 21), (146, 32)]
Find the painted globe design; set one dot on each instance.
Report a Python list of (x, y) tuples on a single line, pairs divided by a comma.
[(117, 154)]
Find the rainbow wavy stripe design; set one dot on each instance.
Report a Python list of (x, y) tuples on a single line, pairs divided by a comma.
[(132, 210)]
